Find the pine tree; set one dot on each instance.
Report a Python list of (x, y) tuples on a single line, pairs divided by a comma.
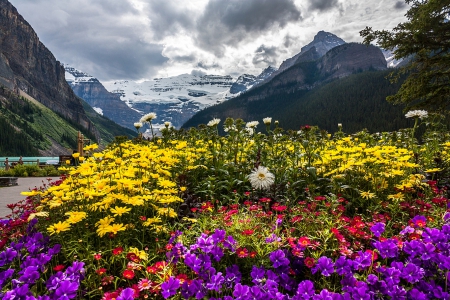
[(425, 38)]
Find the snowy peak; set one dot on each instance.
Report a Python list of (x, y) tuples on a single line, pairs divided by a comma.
[(391, 61), (74, 76), (246, 81), (323, 42)]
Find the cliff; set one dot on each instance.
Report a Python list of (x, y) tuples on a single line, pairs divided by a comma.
[(27, 65)]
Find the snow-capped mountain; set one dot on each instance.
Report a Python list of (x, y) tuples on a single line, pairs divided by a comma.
[(174, 99), (247, 81), (391, 61)]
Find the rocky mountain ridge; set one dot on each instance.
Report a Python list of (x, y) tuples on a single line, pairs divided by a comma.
[(103, 102)]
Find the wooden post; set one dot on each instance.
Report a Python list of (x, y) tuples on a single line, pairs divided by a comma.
[(80, 143)]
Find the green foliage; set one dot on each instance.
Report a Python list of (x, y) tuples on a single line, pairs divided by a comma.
[(30, 170), (425, 37)]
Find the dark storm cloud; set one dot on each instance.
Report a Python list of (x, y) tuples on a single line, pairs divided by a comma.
[(289, 41), (266, 56), (167, 18), (323, 5), (399, 5), (98, 37), (230, 22)]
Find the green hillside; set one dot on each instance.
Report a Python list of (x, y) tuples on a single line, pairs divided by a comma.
[(28, 128), (357, 101)]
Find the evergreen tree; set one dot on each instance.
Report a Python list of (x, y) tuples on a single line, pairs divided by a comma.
[(425, 38)]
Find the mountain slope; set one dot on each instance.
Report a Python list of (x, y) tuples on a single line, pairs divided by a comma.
[(105, 103)]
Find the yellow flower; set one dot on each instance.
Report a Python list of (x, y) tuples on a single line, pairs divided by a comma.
[(105, 221), (76, 155), (37, 214), (398, 196), (58, 227), (139, 253), (119, 210), (151, 221), (114, 228), (75, 216), (433, 170), (367, 195)]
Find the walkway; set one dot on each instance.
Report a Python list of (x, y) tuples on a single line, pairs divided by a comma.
[(12, 194)]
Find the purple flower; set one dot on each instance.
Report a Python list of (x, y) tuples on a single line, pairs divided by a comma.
[(272, 238), (192, 261), (29, 275), (217, 253), (412, 273), (7, 256), (387, 248), (417, 295), (343, 266), (324, 265), (407, 230), (257, 274), (170, 287), (324, 295), (205, 243), (397, 292), (232, 276), (67, 290), (230, 243), (392, 276), (218, 236), (413, 248), (174, 236), (240, 291), (278, 258), (305, 290), (364, 260), (377, 229), (127, 294), (216, 282)]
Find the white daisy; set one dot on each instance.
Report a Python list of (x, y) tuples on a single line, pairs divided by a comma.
[(148, 117), (267, 121), (213, 122), (138, 125), (252, 124), (417, 114), (261, 178)]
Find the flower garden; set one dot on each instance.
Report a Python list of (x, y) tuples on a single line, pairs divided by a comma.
[(276, 215)]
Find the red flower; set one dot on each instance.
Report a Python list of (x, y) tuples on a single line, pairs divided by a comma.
[(101, 271), (309, 262), (242, 252), (182, 278), (169, 247), (97, 256), (247, 232), (252, 254), (143, 218), (264, 200), (59, 268), (304, 241), (128, 274), (133, 257), (152, 269), (320, 198), (117, 251)]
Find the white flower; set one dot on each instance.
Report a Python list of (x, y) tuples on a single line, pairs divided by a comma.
[(138, 125), (339, 124), (267, 120), (250, 130), (417, 114), (167, 124), (213, 122), (252, 124), (261, 178), (148, 117), (231, 128)]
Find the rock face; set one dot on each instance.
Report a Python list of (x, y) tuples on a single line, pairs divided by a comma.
[(95, 94), (339, 62), (26, 65)]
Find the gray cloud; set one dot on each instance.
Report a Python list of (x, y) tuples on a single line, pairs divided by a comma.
[(184, 58), (98, 37), (266, 55), (198, 73), (230, 22), (323, 5), (399, 5), (167, 18), (207, 66), (289, 41)]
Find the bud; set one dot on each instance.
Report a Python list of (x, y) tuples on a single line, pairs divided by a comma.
[(339, 125)]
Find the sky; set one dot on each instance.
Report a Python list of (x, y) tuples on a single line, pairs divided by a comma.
[(144, 39)]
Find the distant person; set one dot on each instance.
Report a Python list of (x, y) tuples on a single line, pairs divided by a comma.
[(6, 164), (20, 161)]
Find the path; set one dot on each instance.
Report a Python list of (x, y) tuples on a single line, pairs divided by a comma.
[(12, 194)]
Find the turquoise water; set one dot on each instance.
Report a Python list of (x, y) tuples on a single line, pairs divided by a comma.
[(29, 160)]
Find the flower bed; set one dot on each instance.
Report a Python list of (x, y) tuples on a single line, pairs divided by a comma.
[(281, 215)]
